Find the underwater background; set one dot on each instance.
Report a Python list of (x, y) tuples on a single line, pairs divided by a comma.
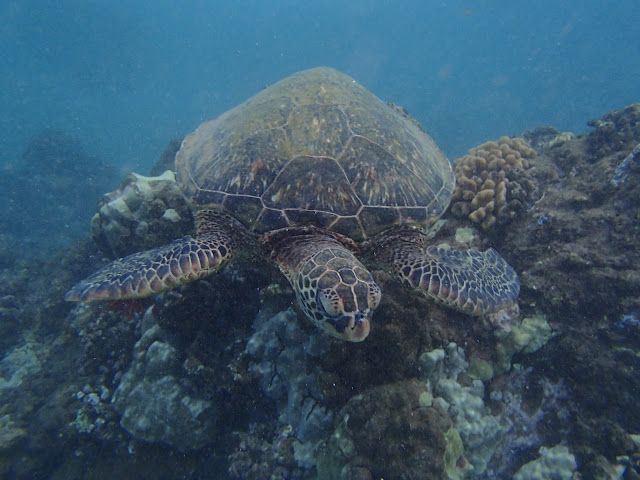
[(124, 78), (227, 380)]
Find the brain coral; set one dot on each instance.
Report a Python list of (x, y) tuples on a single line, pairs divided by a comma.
[(487, 181)]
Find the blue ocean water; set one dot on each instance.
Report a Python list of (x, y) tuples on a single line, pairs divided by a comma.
[(124, 78)]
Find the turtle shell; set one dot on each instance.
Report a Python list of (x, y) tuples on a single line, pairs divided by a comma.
[(317, 148)]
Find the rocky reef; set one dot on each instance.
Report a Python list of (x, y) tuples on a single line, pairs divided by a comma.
[(142, 213), (224, 379), (152, 390)]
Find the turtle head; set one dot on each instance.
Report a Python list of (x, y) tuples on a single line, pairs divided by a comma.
[(342, 301), (334, 289), (343, 322)]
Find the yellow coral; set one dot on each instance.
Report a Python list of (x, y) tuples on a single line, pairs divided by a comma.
[(486, 176)]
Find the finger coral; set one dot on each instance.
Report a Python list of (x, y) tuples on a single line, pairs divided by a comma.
[(487, 181)]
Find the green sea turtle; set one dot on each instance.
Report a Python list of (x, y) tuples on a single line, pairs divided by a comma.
[(315, 169)]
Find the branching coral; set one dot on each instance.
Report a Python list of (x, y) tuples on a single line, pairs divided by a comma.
[(487, 181)]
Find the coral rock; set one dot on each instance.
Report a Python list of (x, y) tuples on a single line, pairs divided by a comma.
[(142, 213), (388, 432), (556, 462), (156, 404), (617, 131)]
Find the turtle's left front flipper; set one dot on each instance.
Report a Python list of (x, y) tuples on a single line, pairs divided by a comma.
[(153, 271), (476, 283)]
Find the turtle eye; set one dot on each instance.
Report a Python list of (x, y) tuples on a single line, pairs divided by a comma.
[(331, 302)]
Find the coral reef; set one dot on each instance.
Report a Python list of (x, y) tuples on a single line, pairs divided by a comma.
[(490, 186), (142, 213), (288, 373), (9, 320), (21, 362), (479, 430), (616, 131), (578, 255), (221, 379), (437, 427), (10, 433), (283, 360), (12, 437), (629, 164), (261, 454), (389, 431), (541, 137), (540, 411), (158, 406), (527, 335)]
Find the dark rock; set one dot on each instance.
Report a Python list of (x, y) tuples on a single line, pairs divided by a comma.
[(617, 131), (392, 434), (540, 137), (577, 251)]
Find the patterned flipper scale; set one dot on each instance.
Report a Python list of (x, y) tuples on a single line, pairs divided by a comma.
[(153, 271), (476, 283)]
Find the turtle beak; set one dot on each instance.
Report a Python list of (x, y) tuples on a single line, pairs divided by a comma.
[(352, 327)]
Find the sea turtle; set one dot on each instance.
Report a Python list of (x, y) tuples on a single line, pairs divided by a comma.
[(315, 169)]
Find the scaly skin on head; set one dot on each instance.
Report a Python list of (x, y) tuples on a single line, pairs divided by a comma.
[(335, 291)]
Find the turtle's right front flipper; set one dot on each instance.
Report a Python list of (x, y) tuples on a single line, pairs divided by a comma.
[(153, 271)]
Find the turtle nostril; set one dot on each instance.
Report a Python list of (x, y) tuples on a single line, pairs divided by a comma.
[(361, 317)]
